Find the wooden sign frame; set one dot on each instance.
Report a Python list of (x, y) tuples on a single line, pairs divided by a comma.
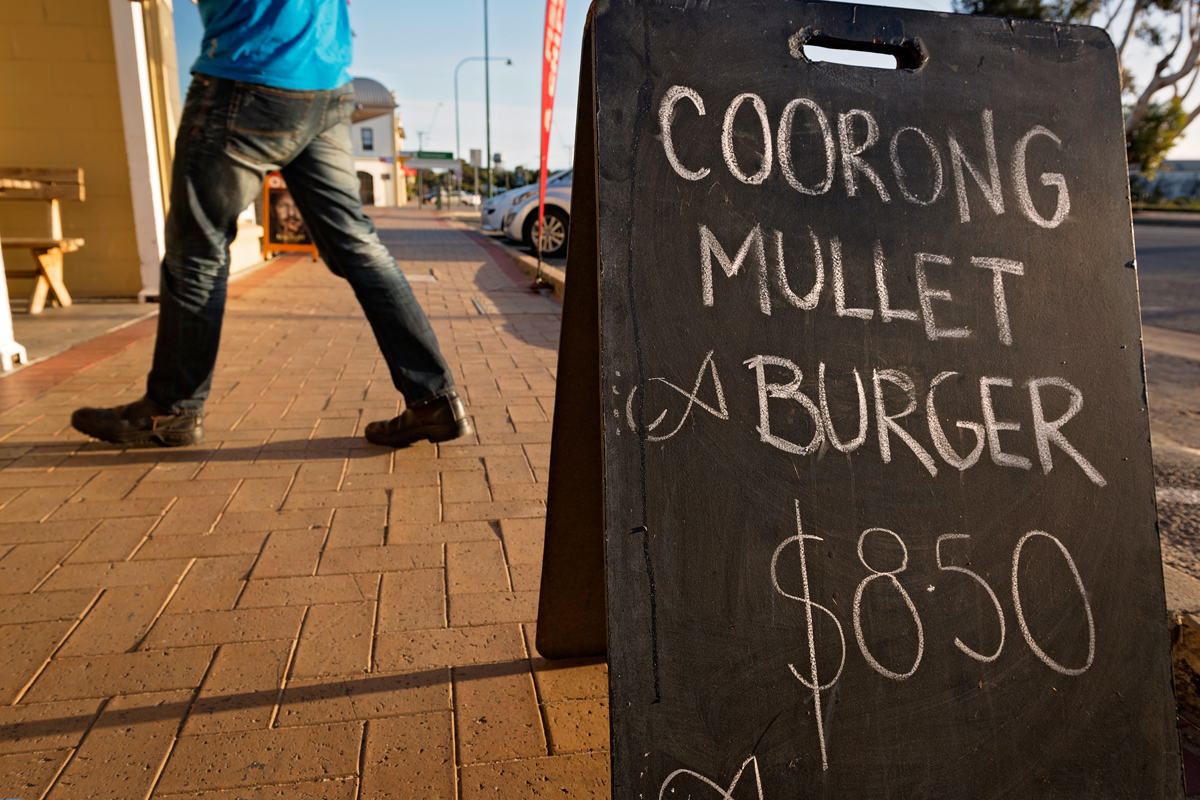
[(928, 608)]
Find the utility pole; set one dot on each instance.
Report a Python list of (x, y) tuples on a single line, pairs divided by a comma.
[(487, 96)]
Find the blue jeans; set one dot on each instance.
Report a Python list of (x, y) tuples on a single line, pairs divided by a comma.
[(230, 136)]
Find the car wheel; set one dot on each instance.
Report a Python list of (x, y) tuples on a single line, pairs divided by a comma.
[(554, 240)]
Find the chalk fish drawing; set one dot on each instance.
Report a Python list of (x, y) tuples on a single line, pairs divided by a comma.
[(720, 413), (723, 794)]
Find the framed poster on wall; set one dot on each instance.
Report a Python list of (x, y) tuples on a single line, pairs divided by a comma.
[(284, 229)]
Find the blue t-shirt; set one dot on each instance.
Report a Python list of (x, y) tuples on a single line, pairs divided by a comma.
[(289, 44)]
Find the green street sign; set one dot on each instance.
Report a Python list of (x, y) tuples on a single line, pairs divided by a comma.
[(435, 155)]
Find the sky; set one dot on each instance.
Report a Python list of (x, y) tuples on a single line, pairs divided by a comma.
[(413, 48)]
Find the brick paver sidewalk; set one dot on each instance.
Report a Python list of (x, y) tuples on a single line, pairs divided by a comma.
[(287, 611)]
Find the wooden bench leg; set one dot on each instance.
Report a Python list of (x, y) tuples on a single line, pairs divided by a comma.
[(50, 279)]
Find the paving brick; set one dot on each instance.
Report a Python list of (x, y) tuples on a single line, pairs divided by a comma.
[(335, 789), (199, 545), (301, 591), (507, 469), (519, 492), (248, 758), (259, 494), (124, 673), (111, 484), (182, 487), (222, 627), (492, 608), (194, 596), (125, 573), (290, 553), (473, 567), (418, 504), (474, 531), (415, 474), (118, 621), (583, 776), (577, 726), (412, 601), (36, 532), (28, 728), (23, 651), (526, 577), (43, 606), (241, 688), (455, 512), (336, 640), (112, 540), (336, 499), (321, 476), (121, 755), (523, 540), (246, 521), (17, 478), (37, 502), (410, 757), (27, 564), (393, 558), (358, 526), (195, 514), (564, 679), (30, 774), (413, 650), (314, 701), (107, 509), (465, 487), (497, 713), (217, 470)]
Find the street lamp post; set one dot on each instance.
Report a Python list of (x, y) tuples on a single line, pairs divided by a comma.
[(457, 139), (487, 96)]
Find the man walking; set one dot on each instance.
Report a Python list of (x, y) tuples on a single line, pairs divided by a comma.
[(270, 91)]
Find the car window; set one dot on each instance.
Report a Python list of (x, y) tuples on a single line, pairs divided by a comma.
[(562, 180)]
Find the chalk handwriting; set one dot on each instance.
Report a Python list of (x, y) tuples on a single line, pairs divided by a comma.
[(813, 681), (752, 253), (858, 594), (727, 139), (1087, 607), (976, 577), (721, 412), (858, 132), (808, 675), (896, 416)]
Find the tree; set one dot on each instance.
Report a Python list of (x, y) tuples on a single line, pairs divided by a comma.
[(1155, 116)]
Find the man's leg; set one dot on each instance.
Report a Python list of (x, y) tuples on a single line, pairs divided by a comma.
[(325, 186), (210, 186)]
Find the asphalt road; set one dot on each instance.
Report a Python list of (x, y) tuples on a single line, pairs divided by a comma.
[(1169, 281)]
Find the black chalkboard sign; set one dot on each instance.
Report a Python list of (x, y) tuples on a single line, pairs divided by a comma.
[(877, 497)]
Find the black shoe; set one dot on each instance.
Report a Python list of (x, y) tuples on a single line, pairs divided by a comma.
[(140, 422), (438, 421)]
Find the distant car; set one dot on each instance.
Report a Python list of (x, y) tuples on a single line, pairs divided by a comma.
[(463, 198), (521, 221), (454, 197), (491, 215)]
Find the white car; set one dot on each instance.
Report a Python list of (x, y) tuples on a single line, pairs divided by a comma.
[(491, 215), (463, 198), (521, 220)]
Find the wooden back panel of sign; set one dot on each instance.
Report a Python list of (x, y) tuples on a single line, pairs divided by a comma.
[(878, 504)]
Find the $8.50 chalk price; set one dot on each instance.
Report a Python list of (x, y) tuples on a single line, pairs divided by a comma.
[(809, 676)]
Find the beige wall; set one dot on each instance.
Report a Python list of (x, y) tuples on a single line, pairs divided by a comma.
[(60, 107)]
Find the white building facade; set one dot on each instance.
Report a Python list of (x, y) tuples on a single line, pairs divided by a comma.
[(376, 136)]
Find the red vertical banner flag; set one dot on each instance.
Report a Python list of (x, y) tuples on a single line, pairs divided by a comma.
[(555, 9)]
